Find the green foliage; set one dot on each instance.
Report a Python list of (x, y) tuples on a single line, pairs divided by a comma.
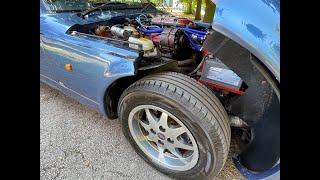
[(193, 5), (156, 2), (97, 1), (189, 6)]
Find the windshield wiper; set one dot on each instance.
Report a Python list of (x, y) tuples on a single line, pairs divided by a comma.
[(98, 7)]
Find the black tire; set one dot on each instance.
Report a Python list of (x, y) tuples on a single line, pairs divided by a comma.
[(196, 106)]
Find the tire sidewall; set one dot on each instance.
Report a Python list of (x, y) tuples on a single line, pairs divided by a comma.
[(206, 164)]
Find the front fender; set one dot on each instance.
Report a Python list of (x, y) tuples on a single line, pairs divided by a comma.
[(253, 28), (254, 24)]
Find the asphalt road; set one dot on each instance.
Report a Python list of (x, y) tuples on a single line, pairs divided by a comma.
[(79, 143)]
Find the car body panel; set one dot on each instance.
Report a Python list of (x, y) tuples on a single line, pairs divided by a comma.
[(96, 63), (254, 24)]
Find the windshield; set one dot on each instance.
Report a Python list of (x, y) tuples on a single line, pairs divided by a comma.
[(81, 5)]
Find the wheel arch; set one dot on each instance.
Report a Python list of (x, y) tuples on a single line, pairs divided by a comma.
[(113, 93), (259, 106), (115, 89)]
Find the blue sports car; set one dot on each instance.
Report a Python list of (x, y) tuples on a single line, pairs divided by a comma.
[(180, 88)]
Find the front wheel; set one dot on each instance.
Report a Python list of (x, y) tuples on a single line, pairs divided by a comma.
[(177, 125)]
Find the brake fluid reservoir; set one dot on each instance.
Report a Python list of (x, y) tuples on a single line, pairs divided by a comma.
[(146, 43)]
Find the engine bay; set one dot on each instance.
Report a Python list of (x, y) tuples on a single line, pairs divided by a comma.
[(164, 38)]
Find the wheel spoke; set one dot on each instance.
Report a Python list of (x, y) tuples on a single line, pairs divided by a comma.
[(164, 120), (173, 150), (175, 132), (181, 145), (150, 117), (176, 153), (144, 125), (161, 154), (151, 137)]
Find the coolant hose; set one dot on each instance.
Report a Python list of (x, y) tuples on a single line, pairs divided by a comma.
[(193, 31), (152, 30), (193, 44)]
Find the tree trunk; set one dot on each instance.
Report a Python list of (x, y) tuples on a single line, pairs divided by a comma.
[(189, 11), (198, 10), (209, 12)]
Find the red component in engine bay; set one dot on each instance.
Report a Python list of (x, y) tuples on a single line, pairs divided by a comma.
[(170, 21), (155, 37), (221, 87)]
